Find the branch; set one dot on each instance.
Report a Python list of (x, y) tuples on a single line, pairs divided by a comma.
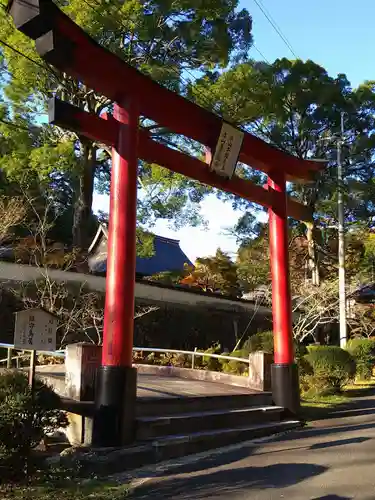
[(145, 310)]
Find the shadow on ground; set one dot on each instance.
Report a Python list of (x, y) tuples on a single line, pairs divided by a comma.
[(211, 477), (324, 431), (332, 497), (237, 454), (341, 442), (223, 483)]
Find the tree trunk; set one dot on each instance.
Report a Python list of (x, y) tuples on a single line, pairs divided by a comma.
[(83, 205), (312, 255)]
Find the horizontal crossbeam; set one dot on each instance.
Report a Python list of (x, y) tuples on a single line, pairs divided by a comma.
[(106, 131), (65, 45)]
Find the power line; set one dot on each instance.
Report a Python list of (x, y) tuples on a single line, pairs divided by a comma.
[(44, 67), (261, 54), (21, 54), (275, 26)]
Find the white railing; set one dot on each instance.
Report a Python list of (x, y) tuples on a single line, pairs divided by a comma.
[(24, 354), (194, 354)]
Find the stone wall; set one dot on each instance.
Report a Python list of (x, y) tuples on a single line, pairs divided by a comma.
[(179, 327)]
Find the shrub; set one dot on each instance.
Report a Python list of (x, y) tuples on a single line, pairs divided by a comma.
[(262, 341), (24, 420), (304, 367), (207, 362), (235, 367), (180, 360), (46, 359), (163, 359), (363, 351), (332, 368), (300, 350)]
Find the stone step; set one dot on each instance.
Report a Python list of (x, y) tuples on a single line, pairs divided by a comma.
[(152, 427), (149, 407), (115, 460), (185, 444)]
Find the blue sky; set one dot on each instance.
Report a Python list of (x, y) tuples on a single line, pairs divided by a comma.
[(339, 35)]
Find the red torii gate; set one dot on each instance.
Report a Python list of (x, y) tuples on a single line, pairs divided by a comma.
[(66, 46)]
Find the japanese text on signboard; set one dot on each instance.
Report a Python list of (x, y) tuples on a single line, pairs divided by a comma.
[(227, 150), (35, 329)]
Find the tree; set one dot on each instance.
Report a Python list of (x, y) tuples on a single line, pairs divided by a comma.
[(293, 105), (361, 321), (368, 263), (165, 40), (216, 274), (315, 308), (34, 162), (253, 262), (13, 211)]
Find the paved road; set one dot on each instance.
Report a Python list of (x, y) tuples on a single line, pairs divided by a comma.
[(330, 460)]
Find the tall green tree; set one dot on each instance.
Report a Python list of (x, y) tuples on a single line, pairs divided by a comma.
[(297, 106), (27, 153), (163, 39)]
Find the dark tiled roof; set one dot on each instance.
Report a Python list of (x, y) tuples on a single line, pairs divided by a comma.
[(365, 294), (167, 256)]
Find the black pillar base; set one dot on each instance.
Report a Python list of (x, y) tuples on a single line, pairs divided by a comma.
[(115, 401), (285, 387)]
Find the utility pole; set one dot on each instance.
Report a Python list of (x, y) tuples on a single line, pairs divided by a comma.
[(340, 141), (341, 236)]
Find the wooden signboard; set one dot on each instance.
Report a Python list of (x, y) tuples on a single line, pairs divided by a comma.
[(35, 330)]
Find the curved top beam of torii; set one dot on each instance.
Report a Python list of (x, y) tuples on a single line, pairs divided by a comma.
[(65, 45)]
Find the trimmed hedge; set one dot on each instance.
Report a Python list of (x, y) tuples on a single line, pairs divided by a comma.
[(363, 351), (331, 369)]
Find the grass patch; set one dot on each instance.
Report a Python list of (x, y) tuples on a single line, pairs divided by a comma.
[(319, 406), (93, 490), (360, 388), (63, 483), (326, 401)]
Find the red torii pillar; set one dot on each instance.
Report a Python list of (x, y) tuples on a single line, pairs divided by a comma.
[(285, 385), (117, 379)]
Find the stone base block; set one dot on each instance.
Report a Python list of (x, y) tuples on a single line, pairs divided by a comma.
[(80, 429)]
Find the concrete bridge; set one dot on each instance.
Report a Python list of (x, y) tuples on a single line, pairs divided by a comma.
[(179, 412)]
